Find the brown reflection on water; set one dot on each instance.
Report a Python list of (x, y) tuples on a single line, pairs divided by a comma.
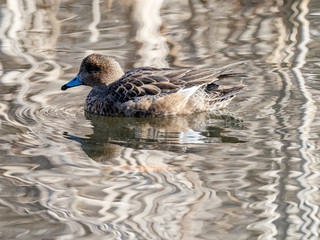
[(161, 133), (249, 173)]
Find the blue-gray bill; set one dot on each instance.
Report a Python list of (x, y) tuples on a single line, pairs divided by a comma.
[(73, 83)]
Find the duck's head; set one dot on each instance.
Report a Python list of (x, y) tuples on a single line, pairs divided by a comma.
[(96, 71)]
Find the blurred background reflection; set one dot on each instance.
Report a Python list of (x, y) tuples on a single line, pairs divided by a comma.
[(248, 172)]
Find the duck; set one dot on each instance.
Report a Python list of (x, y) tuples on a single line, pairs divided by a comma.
[(150, 91)]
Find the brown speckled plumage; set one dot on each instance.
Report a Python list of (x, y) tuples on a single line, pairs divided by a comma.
[(148, 91)]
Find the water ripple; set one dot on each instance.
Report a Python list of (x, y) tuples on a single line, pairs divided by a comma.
[(66, 174)]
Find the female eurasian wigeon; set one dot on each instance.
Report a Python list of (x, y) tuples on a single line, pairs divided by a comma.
[(148, 91)]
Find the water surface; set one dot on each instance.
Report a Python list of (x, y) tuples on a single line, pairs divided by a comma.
[(250, 171)]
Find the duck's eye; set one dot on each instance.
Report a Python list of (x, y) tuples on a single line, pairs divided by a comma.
[(93, 68)]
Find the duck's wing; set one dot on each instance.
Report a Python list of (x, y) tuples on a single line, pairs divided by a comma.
[(207, 76), (196, 77), (144, 81)]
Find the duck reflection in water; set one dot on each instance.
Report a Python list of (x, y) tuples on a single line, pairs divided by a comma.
[(180, 134), (148, 91)]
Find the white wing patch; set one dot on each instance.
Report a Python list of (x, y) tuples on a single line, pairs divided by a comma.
[(190, 91)]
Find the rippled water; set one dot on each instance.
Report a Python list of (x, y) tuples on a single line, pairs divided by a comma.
[(248, 172)]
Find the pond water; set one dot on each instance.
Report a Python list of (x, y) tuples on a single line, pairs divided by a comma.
[(250, 171)]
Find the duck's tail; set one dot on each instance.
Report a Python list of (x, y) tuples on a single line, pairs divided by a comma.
[(218, 97)]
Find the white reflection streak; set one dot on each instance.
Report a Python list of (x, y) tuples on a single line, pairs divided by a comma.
[(154, 49), (96, 15), (269, 207), (13, 48), (311, 221)]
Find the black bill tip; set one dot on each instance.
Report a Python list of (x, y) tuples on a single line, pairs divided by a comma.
[(64, 87)]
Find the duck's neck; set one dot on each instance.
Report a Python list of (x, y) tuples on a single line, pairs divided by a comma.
[(99, 102), (100, 87), (114, 76)]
